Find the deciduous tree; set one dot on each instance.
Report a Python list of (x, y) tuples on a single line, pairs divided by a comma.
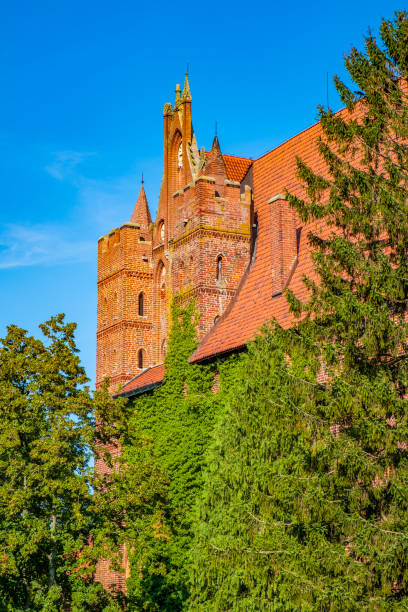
[(47, 509)]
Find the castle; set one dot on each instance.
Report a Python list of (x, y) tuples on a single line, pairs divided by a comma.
[(224, 235)]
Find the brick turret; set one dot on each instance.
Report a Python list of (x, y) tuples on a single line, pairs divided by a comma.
[(125, 298), (211, 240)]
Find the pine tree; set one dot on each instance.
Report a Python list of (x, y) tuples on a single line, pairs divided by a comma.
[(246, 526), (306, 504), (47, 510)]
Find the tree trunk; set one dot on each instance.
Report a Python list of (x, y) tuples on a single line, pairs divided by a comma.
[(51, 556)]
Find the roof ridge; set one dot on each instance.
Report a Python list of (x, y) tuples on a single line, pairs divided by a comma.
[(310, 127), (239, 156)]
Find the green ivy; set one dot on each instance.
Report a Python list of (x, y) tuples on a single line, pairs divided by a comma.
[(178, 418)]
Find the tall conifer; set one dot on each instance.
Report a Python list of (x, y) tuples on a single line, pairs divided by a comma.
[(306, 507)]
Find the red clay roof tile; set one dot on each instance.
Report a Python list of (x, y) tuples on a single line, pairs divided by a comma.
[(254, 303), (256, 300), (237, 167), (149, 378)]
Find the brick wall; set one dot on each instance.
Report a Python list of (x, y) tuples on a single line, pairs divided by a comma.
[(124, 272)]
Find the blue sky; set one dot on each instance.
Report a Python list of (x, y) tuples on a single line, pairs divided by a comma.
[(83, 87)]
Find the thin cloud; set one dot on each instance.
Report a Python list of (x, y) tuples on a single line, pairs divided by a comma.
[(65, 163), (30, 245), (100, 204)]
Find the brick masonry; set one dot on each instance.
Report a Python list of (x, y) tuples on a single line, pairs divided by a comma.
[(224, 234)]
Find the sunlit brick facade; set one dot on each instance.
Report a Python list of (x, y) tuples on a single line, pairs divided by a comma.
[(199, 246)]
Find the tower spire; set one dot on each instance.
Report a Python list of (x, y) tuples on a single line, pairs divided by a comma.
[(141, 212), (215, 163), (186, 90)]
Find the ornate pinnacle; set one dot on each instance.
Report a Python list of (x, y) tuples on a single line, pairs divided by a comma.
[(178, 100), (168, 109), (202, 161), (186, 90)]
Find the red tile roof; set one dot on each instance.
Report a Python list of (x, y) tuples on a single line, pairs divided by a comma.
[(255, 303), (146, 380), (237, 167)]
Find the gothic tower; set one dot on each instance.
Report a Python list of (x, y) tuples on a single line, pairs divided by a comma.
[(203, 221), (198, 248)]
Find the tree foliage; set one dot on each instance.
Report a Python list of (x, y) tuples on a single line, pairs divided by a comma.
[(47, 509), (305, 506)]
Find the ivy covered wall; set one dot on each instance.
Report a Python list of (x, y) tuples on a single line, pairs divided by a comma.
[(170, 430)]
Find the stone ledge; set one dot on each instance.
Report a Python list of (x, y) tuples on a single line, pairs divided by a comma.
[(279, 196), (206, 179), (129, 224)]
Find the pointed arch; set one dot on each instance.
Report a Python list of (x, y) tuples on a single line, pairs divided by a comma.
[(176, 162), (161, 231), (160, 278), (254, 237), (181, 272), (191, 270)]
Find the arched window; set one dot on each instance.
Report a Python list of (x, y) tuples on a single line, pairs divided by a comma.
[(141, 359), (162, 280), (181, 272), (163, 274), (219, 267), (161, 231), (141, 304)]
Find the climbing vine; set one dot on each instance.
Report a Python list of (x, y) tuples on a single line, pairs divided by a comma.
[(173, 424)]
